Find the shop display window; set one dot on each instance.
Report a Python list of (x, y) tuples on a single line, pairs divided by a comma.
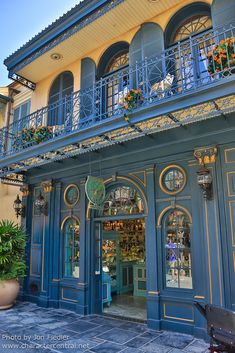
[(178, 263), (71, 232), (123, 200)]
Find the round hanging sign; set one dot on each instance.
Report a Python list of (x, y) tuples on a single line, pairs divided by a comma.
[(95, 192)]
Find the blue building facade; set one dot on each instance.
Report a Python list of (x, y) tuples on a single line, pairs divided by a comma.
[(154, 119)]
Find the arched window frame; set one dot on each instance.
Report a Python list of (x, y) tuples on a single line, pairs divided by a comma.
[(60, 102), (162, 223), (115, 84), (181, 16), (70, 268)]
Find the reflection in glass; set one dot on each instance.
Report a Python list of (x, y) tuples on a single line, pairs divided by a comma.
[(123, 200), (117, 85), (178, 250), (71, 248)]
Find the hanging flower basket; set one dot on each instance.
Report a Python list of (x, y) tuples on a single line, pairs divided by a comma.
[(33, 135), (133, 99), (43, 133), (222, 58)]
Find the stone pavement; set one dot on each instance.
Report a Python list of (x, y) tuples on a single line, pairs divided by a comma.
[(27, 328)]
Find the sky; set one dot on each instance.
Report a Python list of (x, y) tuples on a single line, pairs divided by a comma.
[(20, 20)]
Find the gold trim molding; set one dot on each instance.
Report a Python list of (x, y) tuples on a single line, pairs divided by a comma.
[(175, 317), (47, 186), (25, 190), (163, 172), (206, 155), (65, 193), (171, 207)]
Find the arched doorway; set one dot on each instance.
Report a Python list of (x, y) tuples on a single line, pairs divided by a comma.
[(120, 253)]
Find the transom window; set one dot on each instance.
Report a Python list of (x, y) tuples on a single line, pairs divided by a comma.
[(121, 60), (123, 200), (178, 263), (193, 25)]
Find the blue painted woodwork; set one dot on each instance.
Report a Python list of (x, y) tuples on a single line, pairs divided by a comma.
[(138, 163), (60, 91), (148, 42), (167, 308), (80, 123), (222, 12), (106, 289), (88, 77), (140, 283)]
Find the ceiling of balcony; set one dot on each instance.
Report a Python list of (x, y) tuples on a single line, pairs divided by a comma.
[(126, 16)]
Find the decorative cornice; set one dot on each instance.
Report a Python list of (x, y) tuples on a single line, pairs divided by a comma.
[(206, 155), (85, 21)]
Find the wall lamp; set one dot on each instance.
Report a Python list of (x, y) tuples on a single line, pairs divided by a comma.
[(41, 204), (204, 180), (206, 155), (19, 207)]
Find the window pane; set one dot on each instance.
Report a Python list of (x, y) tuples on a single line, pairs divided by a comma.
[(123, 200), (71, 248), (178, 250)]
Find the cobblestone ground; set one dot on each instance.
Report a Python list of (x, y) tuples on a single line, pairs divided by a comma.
[(27, 328)]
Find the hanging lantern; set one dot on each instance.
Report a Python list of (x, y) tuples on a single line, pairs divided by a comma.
[(204, 180), (41, 204), (19, 207)]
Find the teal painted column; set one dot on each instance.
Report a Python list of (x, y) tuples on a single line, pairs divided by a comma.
[(82, 285), (153, 307), (48, 194), (55, 247)]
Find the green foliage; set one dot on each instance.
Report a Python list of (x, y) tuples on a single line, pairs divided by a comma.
[(12, 250)]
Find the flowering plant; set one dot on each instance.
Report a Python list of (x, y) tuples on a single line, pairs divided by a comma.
[(43, 133), (33, 135), (132, 98), (222, 56)]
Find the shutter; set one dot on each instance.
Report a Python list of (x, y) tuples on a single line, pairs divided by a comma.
[(16, 114), (88, 77), (222, 12), (88, 73), (148, 42)]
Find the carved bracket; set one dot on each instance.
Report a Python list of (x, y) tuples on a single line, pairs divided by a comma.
[(25, 190), (47, 186), (206, 155)]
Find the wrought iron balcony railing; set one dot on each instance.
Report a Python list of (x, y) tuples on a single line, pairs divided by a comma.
[(185, 67)]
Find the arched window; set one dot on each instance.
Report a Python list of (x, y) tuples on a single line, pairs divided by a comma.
[(60, 99), (123, 200), (191, 26), (188, 53), (71, 236), (177, 250), (113, 68)]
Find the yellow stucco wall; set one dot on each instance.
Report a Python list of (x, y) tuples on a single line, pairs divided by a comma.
[(7, 193), (7, 196), (39, 97)]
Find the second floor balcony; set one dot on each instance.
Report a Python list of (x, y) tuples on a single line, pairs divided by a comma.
[(189, 81)]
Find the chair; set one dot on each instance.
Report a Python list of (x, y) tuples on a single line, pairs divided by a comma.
[(159, 89)]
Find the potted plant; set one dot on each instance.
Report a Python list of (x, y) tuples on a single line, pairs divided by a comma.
[(12, 261), (222, 57), (132, 99)]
